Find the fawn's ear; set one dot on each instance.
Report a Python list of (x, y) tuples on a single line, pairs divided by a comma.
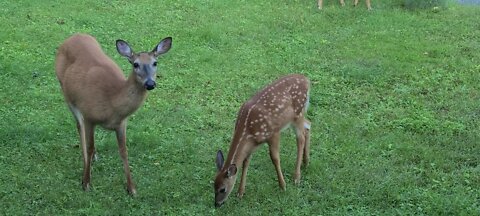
[(163, 46), (219, 160), (232, 170), (124, 49)]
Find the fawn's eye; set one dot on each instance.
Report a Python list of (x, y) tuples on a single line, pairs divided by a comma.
[(136, 65), (222, 190), (154, 64)]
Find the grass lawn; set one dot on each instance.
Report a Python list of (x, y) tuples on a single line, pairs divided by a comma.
[(395, 107)]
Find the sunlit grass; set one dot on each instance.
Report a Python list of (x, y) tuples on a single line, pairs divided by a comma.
[(395, 107)]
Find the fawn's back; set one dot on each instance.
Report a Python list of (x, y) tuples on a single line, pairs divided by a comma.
[(274, 107)]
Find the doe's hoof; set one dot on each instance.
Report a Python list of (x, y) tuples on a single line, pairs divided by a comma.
[(86, 186)]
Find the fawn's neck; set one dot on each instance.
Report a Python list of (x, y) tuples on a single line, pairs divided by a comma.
[(242, 144), (240, 149)]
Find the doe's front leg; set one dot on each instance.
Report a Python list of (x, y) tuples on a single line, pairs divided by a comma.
[(320, 4), (122, 148)]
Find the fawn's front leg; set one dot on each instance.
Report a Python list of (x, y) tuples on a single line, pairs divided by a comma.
[(243, 180)]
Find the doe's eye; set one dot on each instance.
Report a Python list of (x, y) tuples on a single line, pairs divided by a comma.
[(136, 65), (222, 190), (154, 64)]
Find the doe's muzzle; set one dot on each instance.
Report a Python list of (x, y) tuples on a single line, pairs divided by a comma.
[(150, 84)]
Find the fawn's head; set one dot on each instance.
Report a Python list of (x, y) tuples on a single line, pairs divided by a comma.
[(224, 181), (144, 63)]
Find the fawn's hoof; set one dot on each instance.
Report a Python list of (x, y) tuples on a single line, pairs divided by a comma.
[(297, 181)]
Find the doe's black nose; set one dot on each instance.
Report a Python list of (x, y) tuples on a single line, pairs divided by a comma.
[(150, 84)]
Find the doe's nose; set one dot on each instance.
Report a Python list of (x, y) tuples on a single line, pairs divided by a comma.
[(150, 84)]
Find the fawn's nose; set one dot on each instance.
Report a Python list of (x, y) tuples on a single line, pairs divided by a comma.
[(150, 84)]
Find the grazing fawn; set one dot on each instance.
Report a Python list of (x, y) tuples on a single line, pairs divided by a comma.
[(342, 2), (261, 119), (97, 92)]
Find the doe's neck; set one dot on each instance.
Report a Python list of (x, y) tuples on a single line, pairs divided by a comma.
[(130, 97)]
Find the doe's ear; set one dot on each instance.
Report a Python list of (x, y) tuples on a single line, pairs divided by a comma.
[(124, 49), (232, 170), (163, 46), (219, 160)]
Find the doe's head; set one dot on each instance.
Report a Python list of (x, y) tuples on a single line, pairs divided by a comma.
[(224, 180), (144, 63)]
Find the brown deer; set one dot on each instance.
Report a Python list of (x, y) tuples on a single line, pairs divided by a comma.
[(97, 92), (342, 2), (260, 120)]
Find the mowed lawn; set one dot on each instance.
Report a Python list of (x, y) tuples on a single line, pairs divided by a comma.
[(395, 107)]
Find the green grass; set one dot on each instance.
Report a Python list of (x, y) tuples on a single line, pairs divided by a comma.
[(395, 107)]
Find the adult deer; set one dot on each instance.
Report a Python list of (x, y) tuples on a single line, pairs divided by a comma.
[(320, 3), (260, 120), (97, 92), (342, 2), (367, 2)]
